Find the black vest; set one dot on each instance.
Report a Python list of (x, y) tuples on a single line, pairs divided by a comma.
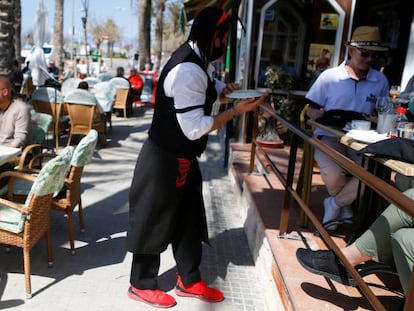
[(165, 130)]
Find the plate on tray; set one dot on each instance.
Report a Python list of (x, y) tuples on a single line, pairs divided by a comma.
[(367, 137), (270, 144), (243, 94)]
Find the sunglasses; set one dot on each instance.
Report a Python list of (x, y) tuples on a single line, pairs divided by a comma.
[(365, 54)]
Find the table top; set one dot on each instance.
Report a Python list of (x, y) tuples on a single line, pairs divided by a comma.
[(7, 154), (282, 92), (401, 167)]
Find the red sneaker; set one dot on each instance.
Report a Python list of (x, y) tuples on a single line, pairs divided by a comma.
[(153, 297), (198, 290)]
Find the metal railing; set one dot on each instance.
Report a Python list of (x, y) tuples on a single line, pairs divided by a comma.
[(382, 188)]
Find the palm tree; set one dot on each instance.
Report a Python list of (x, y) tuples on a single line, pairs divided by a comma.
[(17, 29), (144, 26), (7, 22), (58, 34), (159, 29)]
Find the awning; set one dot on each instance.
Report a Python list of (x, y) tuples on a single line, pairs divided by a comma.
[(192, 7)]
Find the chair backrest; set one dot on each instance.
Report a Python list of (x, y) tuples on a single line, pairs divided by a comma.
[(81, 118), (105, 94), (92, 81), (105, 76), (52, 176), (80, 96), (120, 83), (69, 85), (121, 98), (84, 150), (40, 126), (47, 94)]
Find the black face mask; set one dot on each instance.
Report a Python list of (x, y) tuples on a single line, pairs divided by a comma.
[(216, 53)]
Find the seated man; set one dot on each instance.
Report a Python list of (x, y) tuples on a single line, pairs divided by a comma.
[(389, 240), (15, 122), (338, 95), (53, 70), (136, 84)]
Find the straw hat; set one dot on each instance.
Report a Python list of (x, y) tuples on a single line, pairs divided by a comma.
[(368, 38)]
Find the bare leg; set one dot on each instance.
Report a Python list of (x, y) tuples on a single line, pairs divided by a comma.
[(354, 255)]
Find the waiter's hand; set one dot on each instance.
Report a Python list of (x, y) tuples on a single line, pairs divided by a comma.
[(314, 113), (230, 87), (249, 104)]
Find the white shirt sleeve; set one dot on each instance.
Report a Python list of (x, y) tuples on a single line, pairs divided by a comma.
[(187, 84)]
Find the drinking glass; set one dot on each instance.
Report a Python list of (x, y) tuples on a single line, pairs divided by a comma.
[(395, 91), (384, 104), (386, 114)]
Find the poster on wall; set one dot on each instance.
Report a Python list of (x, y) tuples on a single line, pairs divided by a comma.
[(329, 21), (320, 56)]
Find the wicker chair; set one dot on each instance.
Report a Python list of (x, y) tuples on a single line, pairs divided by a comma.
[(70, 196), (22, 225), (48, 100), (84, 114), (122, 100), (40, 125), (105, 95)]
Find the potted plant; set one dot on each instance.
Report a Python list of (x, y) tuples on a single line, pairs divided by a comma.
[(280, 84)]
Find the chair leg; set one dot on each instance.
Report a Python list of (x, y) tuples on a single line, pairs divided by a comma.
[(81, 220), (70, 232), (57, 140), (69, 139), (48, 237), (304, 185), (109, 120), (27, 272)]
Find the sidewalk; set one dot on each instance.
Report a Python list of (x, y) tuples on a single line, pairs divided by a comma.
[(97, 277)]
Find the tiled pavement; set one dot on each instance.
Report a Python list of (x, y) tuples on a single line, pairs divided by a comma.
[(96, 278)]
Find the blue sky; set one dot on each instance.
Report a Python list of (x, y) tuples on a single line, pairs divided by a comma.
[(99, 10)]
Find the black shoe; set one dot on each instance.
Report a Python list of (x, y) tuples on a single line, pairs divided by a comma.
[(325, 263)]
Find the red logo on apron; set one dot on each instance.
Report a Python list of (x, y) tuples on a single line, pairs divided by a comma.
[(183, 168)]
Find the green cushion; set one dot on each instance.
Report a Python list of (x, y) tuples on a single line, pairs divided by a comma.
[(11, 220), (52, 176), (40, 126), (84, 150), (50, 180)]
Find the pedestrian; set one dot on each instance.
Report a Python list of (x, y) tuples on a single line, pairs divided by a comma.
[(166, 203)]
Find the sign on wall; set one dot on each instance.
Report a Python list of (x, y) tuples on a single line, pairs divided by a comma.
[(329, 21)]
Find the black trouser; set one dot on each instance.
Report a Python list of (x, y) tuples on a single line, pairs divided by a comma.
[(187, 250)]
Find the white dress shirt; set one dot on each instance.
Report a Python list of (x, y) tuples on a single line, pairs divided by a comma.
[(187, 84)]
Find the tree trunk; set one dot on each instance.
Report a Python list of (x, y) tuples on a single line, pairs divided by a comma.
[(144, 20), (17, 30), (58, 35), (7, 22), (159, 29)]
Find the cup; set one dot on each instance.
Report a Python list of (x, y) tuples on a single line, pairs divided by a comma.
[(362, 125), (386, 122), (406, 130)]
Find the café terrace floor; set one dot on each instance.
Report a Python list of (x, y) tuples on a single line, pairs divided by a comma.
[(260, 195), (97, 276)]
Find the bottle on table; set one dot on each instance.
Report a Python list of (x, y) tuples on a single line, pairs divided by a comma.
[(401, 122)]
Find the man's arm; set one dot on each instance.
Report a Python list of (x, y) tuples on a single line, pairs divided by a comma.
[(22, 128)]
